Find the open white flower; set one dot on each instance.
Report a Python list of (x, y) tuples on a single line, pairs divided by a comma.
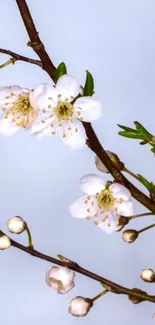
[(103, 203), (80, 306), (60, 278), (16, 110), (58, 114)]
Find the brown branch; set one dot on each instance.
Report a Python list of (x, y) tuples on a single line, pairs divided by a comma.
[(36, 42), (114, 287), (18, 57)]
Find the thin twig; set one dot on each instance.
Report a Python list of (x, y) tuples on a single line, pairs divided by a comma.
[(36, 42), (18, 57), (114, 287)]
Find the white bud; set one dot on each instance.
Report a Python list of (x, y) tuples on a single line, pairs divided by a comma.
[(148, 275), (80, 306), (60, 278), (16, 225), (130, 235), (102, 168), (4, 242)]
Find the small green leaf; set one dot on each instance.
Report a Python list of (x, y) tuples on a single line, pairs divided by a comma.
[(89, 85), (125, 128), (153, 150), (141, 130), (131, 135), (60, 71), (145, 182)]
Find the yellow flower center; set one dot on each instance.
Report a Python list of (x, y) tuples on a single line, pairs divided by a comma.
[(21, 111), (64, 110), (105, 200)]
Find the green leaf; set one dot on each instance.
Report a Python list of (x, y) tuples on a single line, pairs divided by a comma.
[(141, 130), (153, 150), (60, 71), (127, 129), (89, 85), (131, 135), (145, 182)]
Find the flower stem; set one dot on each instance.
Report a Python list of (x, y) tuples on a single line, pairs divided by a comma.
[(130, 173), (100, 295), (29, 238), (11, 61), (140, 215), (146, 228)]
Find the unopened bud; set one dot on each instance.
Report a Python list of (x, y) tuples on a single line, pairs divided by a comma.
[(102, 168), (80, 306), (4, 241), (129, 235), (16, 225), (134, 299), (148, 275), (60, 278), (123, 221)]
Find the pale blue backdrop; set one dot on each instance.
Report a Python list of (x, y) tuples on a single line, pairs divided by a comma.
[(39, 179)]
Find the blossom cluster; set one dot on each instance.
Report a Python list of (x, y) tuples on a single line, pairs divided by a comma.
[(49, 110), (61, 109)]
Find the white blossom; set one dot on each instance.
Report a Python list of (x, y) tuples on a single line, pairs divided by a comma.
[(58, 114), (16, 225), (16, 110), (60, 278), (103, 203), (80, 306), (4, 242)]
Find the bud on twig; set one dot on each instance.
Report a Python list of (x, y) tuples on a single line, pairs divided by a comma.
[(60, 278), (123, 221), (130, 235), (16, 225), (5, 241), (80, 306), (148, 275), (101, 167)]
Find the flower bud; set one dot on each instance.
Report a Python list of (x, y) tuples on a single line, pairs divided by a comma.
[(4, 241), (102, 168), (136, 300), (123, 221), (148, 275), (16, 225), (80, 306), (129, 235), (60, 278)]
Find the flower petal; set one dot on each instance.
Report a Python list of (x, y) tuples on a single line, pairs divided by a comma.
[(43, 96), (125, 208), (73, 134), (119, 191), (13, 90), (7, 128), (110, 223), (92, 184), (89, 108), (68, 86), (83, 207)]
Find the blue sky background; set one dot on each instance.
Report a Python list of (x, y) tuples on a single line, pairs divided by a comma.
[(39, 179)]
